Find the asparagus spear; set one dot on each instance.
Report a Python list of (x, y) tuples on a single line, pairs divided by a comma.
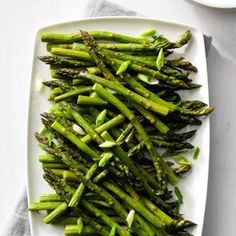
[(72, 93), (176, 137), (78, 194), (39, 206), (85, 100), (126, 47), (49, 158), (61, 61), (68, 38), (56, 213), (58, 83), (152, 118), (83, 55), (50, 197), (54, 165), (73, 230), (181, 63)]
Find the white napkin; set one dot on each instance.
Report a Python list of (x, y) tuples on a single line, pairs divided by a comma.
[(18, 220)]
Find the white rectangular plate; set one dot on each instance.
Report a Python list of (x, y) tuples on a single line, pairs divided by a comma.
[(194, 185)]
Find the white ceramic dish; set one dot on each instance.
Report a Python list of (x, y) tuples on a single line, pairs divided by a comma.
[(194, 186), (224, 4)]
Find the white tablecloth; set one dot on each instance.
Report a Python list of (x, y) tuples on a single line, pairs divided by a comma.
[(19, 22)]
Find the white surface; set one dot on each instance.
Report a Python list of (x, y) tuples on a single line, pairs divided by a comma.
[(19, 22), (218, 3), (195, 183)]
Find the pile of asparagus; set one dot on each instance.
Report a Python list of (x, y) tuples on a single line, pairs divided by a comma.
[(115, 121)]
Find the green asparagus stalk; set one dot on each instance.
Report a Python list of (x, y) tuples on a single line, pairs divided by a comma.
[(64, 62), (101, 118), (182, 169), (124, 47), (82, 55), (80, 225), (54, 165), (39, 206), (65, 174), (58, 172), (58, 83), (125, 133), (72, 93), (49, 158), (72, 230), (100, 176), (50, 197), (113, 231), (69, 176), (70, 38), (58, 45), (79, 192), (66, 220), (157, 211), (182, 40), (145, 43), (176, 137), (56, 213), (85, 100), (181, 63), (160, 126), (173, 145), (94, 70)]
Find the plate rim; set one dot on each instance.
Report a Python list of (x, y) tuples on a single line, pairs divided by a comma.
[(216, 5), (161, 20)]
